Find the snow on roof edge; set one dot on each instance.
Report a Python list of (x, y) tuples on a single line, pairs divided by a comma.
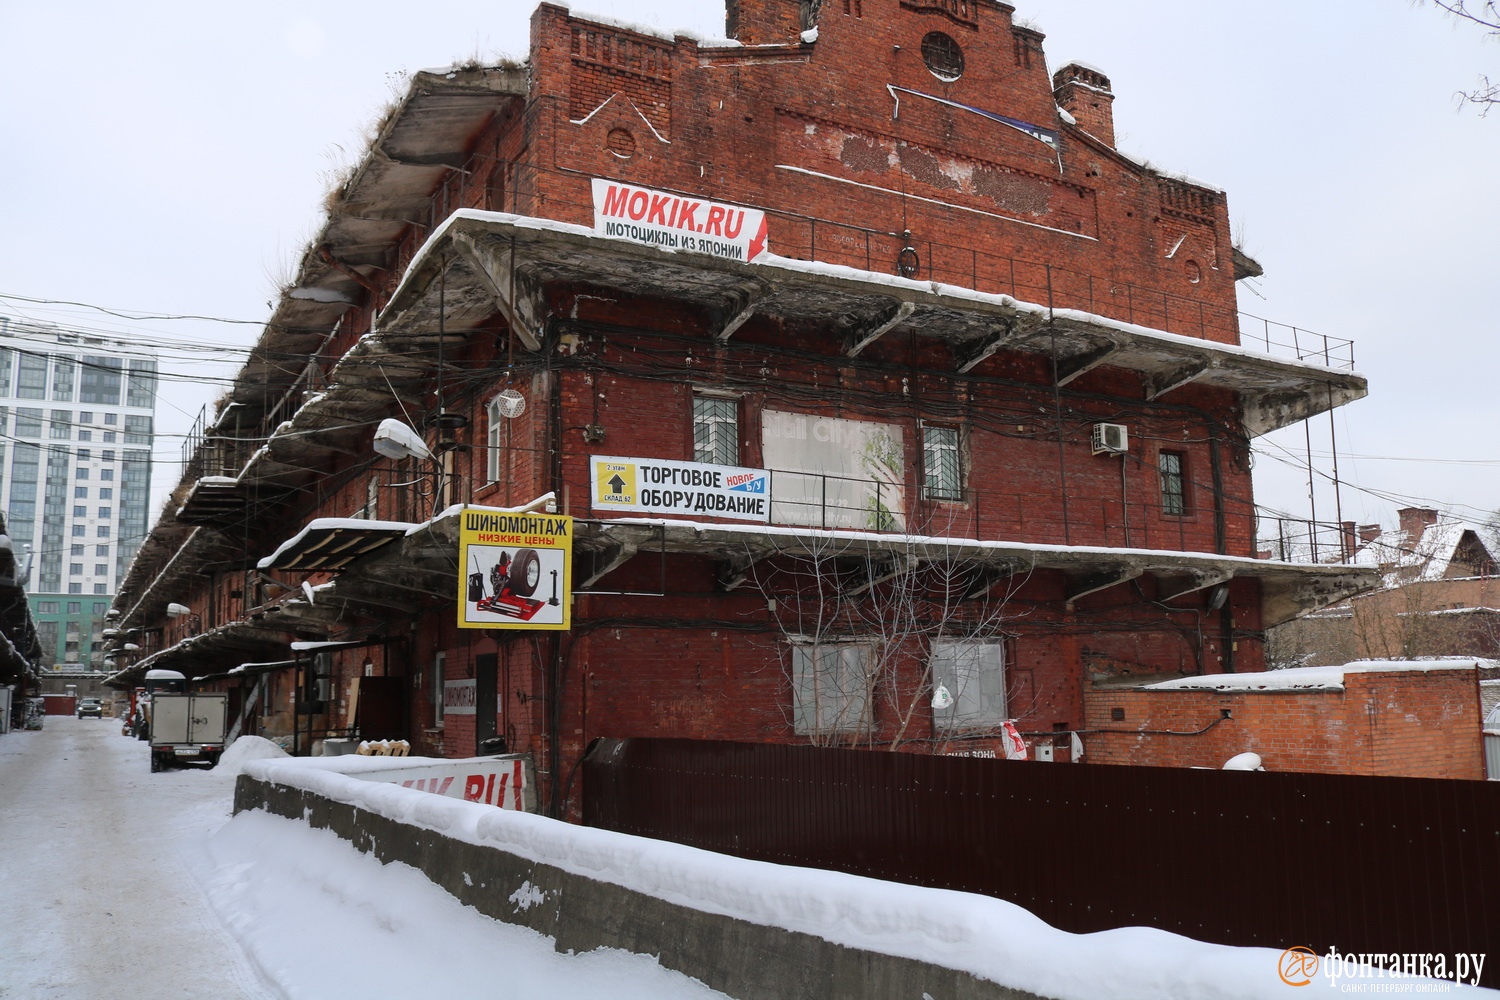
[(1327, 678), (893, 280)]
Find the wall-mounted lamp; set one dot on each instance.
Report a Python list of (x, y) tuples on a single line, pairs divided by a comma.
[(175, 610), (397, 441)]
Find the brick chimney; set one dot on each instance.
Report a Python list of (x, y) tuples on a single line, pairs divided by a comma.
[(1369, 532), (769, 22), (1414, 521), (1084, 93)]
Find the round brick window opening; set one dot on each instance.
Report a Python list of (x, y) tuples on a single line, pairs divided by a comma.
[(943, 56), (621, 143), (1194, 272)]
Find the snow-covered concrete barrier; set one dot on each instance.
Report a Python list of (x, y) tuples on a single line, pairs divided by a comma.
[(565, 881), (749, 929)]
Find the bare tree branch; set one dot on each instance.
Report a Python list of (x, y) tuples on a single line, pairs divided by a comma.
[(1487, 16)]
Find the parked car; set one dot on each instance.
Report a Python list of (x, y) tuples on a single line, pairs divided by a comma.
[(91, 706)]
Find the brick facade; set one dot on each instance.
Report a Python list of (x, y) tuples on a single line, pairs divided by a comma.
[(912, 136), (1419, 724)]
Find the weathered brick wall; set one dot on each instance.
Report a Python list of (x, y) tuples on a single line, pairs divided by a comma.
[(813, 131), (1419, 723), (1075, 225)]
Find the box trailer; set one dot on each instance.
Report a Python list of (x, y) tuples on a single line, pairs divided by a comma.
[(187, 728)]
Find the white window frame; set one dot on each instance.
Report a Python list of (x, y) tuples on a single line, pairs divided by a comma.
[(832, 689), (494, 420), (973, 672)]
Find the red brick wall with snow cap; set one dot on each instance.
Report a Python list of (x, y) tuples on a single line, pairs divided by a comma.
[(1419, 723)]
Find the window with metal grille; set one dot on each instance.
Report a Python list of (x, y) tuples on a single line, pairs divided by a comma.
[(716, 430), (973, 675), (1171, 466), (943, 56), (830, 689), (941, 464)]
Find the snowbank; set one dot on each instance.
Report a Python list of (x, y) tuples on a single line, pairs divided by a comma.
[(987, 937), (245, 749)]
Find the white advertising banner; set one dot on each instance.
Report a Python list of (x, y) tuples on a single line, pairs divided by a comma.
[(835, 473), (496, 781), (687, 489), (673, 222)]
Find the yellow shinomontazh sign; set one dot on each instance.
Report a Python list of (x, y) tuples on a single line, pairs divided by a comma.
[(515, 570)]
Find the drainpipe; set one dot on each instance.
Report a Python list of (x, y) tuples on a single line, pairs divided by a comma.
[(554, 669), (1221, 546)]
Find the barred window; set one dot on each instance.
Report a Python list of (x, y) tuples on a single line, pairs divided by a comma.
[(941, 463), (716, 430), (1172, 467)]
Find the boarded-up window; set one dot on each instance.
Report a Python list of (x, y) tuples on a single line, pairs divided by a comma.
[(973, 674), (830, 689)]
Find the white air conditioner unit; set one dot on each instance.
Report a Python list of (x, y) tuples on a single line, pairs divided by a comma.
[(1111, 439)]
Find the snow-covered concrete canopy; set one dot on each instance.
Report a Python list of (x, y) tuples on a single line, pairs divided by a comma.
[(491, 261), (330, 543), (421, 564), (1308, 678), (1287, 589)]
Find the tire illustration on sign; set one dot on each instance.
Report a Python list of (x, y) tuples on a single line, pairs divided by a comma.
[(525, 572)]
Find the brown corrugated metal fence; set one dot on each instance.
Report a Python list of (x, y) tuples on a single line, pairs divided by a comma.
[(1362, 864)]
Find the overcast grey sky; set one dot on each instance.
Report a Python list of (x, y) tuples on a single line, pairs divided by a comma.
[(171, 158)]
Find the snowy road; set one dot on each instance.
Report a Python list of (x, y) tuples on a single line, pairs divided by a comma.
[(119, 882), (100, 890)]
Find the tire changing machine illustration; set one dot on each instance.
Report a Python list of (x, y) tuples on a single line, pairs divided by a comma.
[(513, 580)]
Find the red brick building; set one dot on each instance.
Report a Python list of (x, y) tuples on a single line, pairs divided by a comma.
[(1412, 718), (976, 377)]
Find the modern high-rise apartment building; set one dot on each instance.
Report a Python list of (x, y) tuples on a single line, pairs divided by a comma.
[(76, 423)]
